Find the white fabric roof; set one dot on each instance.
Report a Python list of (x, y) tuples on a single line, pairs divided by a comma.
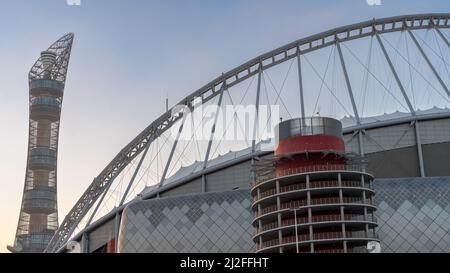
[(346, 122)]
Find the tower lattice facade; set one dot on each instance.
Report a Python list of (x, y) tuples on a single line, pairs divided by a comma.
[(38, 218)]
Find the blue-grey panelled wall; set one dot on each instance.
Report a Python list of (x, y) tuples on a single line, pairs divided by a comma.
[(208, 222), (413, 216)]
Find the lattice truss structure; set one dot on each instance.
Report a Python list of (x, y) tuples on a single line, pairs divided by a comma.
[(38, 218), (396, 65), (58, 71)]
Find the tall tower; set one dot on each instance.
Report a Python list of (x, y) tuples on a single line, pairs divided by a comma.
[(38, 218), (312, 196)]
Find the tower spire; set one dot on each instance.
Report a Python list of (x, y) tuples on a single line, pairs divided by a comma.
[(38, 218)]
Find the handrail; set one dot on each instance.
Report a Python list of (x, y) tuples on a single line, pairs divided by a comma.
[(308, 169)]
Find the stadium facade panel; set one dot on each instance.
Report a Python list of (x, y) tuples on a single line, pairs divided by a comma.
[(208, 222), (413, 215)]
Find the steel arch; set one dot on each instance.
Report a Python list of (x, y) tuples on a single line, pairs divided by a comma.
[(227, 80)]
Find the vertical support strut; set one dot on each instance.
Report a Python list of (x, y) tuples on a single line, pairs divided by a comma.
[(84, 243), (116, 231), (419, 149), (300, 82), (347, 81), (138, 167), (442, 36), (296, 231), (255, 126), (213, 129), (169, 160), (203, 183), (429, 63), (361, 142), (411, 109), (397, 79)]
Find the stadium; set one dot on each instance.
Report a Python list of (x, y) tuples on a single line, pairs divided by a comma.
[(356, 160)]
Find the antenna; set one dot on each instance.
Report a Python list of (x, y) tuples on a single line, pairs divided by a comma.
[(167, 102)]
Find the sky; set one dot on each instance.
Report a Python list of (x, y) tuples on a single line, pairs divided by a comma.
[(127, 56)]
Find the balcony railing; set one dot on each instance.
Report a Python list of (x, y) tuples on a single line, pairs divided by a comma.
[(317, 236), (313, 185), (314, 201), (308, 169), (316, 219)]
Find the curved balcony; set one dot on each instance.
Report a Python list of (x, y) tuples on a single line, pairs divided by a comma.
[(316, 205), (325, 207), (45, 108), (356, 238), (317, 187), (34, 242), (317, 171), (318, 220), (40, 200), (288, 225), (42, 158), (46, 87)]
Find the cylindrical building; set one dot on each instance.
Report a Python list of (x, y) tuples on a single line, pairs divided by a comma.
[(38, 218), (312, 196)]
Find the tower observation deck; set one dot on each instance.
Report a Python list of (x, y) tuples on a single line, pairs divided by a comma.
[(38, 218)]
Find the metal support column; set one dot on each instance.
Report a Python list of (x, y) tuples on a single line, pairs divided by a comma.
[(256, 124), (116, 231), (169, 160), (342, 212), (300, 82), (256, 127), (397, 79), (363, 185), (213, 129), (280, 234), (347, 81), (361, 142), (442, 36), (204, 189), (429, 62), (308, 203), (296, 231), (84, 243), (419, 149)]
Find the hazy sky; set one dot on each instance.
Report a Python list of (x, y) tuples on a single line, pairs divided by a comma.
[(126, 56)]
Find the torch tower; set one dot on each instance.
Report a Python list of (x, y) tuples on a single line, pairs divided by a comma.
[(38, 218)]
